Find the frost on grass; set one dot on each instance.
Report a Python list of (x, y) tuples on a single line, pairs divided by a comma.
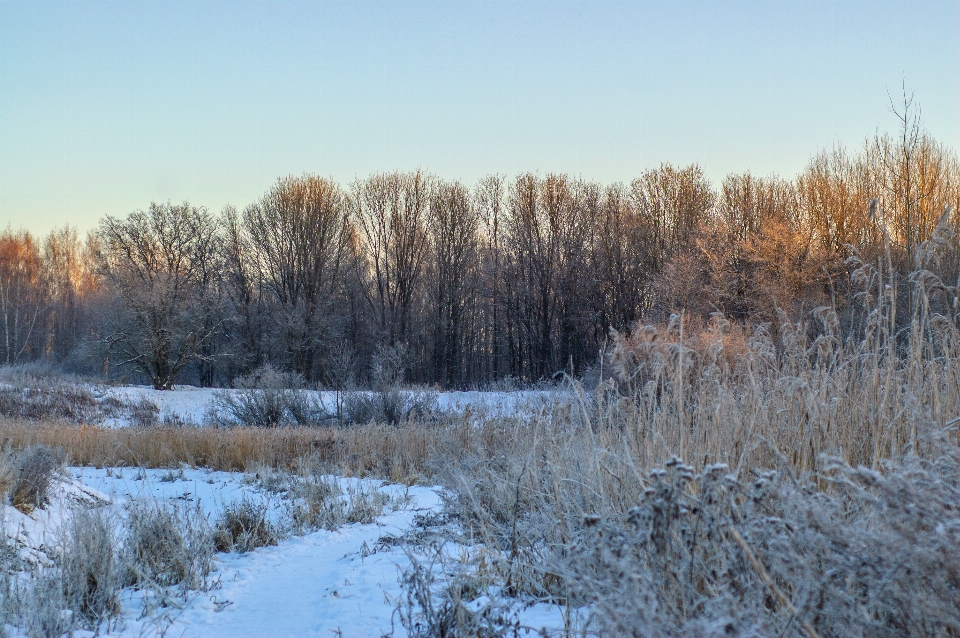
[(851, 552), (167, 545), (33, 472), (244, 526)]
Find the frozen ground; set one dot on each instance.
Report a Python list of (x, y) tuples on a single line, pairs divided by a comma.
[(325, 583), (191, 405)]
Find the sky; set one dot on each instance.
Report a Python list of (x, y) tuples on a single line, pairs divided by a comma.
[(108, 106)]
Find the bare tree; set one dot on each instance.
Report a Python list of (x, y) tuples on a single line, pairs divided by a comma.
[(23, 295), (298, 235), (391, 214), (495, 328), (71, 281), (545, 241), (161, 264), (623, 261), (454, 228), (674, 202)]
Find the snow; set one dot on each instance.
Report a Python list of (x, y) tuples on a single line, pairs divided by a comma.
[(190, 404), (325, 583)]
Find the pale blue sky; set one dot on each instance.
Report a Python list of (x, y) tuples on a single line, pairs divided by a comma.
[(107, 106)]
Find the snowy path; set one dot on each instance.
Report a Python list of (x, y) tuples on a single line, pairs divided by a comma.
[(312, 586), (315, 585), (341, 583), (319, 584)]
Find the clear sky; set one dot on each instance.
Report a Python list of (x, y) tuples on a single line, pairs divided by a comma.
[(107, 106)]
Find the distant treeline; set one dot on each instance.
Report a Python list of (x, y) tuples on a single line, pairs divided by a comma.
[(517, 277)]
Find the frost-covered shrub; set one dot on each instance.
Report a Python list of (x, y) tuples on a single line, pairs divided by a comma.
[(440, 601), (40, 606), (167, 545), (388, 405), (62, 401), (364, 505), (388, 401), (33, 474), (848, 552), (269, 398), (874, 554), (269, 478), (317, 504), (143, 413), (320, 503), (89, 569), (243, 526)]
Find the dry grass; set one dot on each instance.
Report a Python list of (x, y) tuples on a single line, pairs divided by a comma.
[(821, 489), (397, 453), (33, 474), (243, 526)]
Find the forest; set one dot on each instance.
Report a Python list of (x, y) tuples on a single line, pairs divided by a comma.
[(507, 282)]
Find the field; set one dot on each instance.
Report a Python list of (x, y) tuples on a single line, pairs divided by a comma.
[(714, 483)]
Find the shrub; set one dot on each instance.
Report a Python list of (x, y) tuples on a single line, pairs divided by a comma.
[(10, 566), (711, 554), (167, 545), (850, 552), (143, 413), (269, 478), (62, 401), (364, 505), (317, 504), (89, 568), (269, 398), (33, 474), (388, 402), (388, 405), (8, 470), (243, 526), (41, 607), (39, 392)]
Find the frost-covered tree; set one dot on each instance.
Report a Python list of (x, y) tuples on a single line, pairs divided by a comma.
[(162, 266)]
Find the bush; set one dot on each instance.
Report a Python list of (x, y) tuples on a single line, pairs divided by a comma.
[(39, 392), (62, 401), (167, 545), (243, 526), (388, 405), (34, 471), (8, 471), (711, 554), (269, 478), (143, 413), (269, 398), (42, 607), (89, 568), (317, 504), (364, 505), (851, 552)]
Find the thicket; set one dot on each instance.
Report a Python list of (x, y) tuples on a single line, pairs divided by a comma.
[(516, 278)]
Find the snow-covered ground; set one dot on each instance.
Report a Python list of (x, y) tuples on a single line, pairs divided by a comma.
[(189, 404), (325, 583)]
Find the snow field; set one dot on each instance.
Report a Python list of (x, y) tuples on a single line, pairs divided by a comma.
[(325, 583), (189, 404)]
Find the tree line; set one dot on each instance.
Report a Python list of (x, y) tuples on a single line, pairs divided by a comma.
[(518, 277)]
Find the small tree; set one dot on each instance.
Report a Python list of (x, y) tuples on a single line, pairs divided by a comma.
[(161, 264)]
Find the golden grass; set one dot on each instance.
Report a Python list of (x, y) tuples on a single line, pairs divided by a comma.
[(398, 453)]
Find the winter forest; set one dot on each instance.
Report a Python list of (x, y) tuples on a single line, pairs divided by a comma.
[(635, 384), (508, 282)]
